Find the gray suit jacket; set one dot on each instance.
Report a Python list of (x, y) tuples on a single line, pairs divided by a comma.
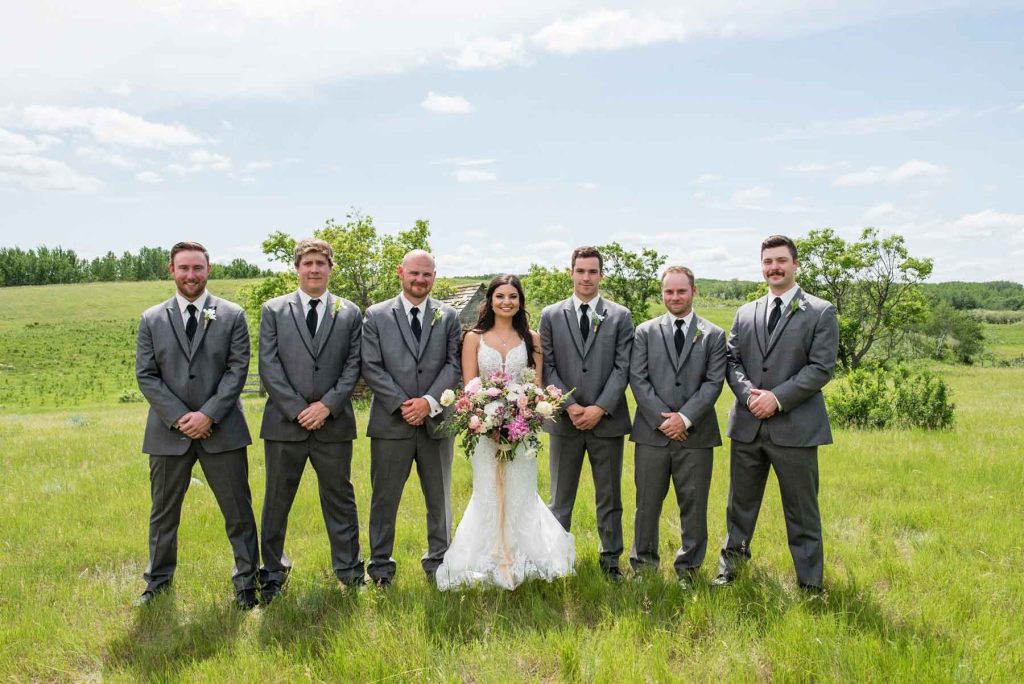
[(795, 364), (598, 371), (396, 368), (689, 383), (207, 376), (297, 370)]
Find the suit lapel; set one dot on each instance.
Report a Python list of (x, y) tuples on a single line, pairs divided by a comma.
[(668, 338), (795, 301), (691, 333), (323, 333), (210, 303), (299, 318), (760, 331), (402, 321), (429, 306), (574, 325), (174, 317), (602, 313)]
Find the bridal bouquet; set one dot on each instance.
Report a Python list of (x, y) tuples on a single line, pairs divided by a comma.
[(510, 410)]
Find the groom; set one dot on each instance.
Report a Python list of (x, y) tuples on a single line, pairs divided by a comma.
[(586, 341), (410, 355)]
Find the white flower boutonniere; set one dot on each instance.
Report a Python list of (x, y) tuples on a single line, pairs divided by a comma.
[(798, 304), (209, 314), (436, 317), (701, 330), (599, 319), (339, 304)]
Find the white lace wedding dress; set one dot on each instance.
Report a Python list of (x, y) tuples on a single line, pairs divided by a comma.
[(507, 534)]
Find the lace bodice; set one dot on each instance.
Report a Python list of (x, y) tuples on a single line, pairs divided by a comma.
[(489, 359)]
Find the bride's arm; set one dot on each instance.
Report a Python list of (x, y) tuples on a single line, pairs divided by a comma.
[(470, 368), (538, 355)]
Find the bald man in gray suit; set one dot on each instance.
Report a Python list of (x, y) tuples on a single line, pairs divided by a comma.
[(191, 362), (309, 364), (781, 352), (676, 371)]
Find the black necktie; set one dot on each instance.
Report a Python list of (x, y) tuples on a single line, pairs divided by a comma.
[(773, 319), (311, 317), (584, 322), (192, 323), (417, 329), (680, 336)]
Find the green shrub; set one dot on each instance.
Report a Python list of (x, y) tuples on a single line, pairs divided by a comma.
[(130, 396), (878, 398)]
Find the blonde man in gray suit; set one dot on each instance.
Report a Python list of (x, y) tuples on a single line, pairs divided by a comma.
[(410, 355), (586, 341), (677, 370), (191, 362), (309, 365), (782, 350)]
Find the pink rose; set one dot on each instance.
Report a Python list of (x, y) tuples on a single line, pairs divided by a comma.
[(474, 424), (553, 391), (493, 392), (473, 386), (523, 401)]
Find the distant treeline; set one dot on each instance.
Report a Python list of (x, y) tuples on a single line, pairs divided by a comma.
[(54, 265), (736, 290), (998, 295)]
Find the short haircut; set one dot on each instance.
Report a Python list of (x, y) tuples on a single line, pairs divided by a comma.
[(679, 269), (310, 245), (587, 253), (779, 241), (189, 246)]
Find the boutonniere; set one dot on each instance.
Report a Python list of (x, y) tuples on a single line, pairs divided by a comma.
[(209, 314), (339, 304), (798, 304), (436, 317), (599, 319), (699, 333)]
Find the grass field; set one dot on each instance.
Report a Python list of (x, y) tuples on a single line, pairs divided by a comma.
[(924, 565)]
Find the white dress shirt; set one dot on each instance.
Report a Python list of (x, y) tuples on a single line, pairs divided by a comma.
[(786, 296), (321, 308), (199, 303), (687, 319), (435, 407)]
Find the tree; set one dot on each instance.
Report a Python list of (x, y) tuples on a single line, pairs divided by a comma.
[(874, 284), (953, 333), (545, 285), (631, 278)]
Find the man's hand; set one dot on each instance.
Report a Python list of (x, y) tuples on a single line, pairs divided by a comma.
[(762, 403), (313, 416), (588, 418), (415, 411), (195, 425), (673, 427)]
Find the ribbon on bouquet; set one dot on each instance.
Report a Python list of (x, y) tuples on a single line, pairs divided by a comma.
[(505, 566)]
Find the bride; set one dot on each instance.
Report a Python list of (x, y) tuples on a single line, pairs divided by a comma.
[(507, 534)]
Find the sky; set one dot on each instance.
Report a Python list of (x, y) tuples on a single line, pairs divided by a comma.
[(520, 130)]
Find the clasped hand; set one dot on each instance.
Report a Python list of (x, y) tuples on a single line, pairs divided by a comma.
[(313, 416), (762, 403), (584, 417), (415, 411), (674, 427), (195, 425)]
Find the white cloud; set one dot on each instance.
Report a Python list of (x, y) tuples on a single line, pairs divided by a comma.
[(463, 175), (40, 173), (198, 161), (751, 198), (149, 177), (16, 143), (587, 186), (226, 125), (256, 166), (490, 53), (606, 30), (474, 258), (103, 156), (867, 125), (988, 223), (446, 104), (910, 171), (464, 161), (106, 125), (122, 89), (811, 167), (705, 178)]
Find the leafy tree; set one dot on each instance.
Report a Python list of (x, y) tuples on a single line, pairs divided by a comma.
[(545, 285), (954, 334), (237, 268), (631, 278), (874, 284)]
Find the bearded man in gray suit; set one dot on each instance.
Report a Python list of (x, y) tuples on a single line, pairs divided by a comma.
[(676, 371), (410, 355), (782, 350), (309, 365), (191, 362), (586, 341)]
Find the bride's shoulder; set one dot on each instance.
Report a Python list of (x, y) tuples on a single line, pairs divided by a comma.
[(535, 336), (472, 338)]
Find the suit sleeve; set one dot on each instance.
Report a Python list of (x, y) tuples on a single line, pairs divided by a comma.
[(547, 345), (235, 373), (613, 396), (164, 402), (821, 362), (735, 372), (701, 403), (336, 397), (384, 387), (451, 372), (272, 373), (647, 400)]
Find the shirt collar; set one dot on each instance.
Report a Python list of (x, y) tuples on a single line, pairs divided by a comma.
[(200, 302), (787, 297), (304, 298), (593, 304), (409, 306), (686, 319)]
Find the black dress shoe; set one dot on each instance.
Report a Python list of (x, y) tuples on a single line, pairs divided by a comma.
[(352, 582), (613, 574), (381, 582), (812, 589), (246, 599), (723, 580), (150, 595), (269, 591), (688, 579)]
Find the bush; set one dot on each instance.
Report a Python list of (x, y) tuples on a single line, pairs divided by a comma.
[(890, 398), (131, 396)]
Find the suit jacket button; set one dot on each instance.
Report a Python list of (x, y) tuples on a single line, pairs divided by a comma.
[(316, 368), (677, 384), (584, 370), (191, 377), (764, 369), (419, 370)]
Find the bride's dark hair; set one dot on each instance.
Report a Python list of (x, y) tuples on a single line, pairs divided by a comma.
[(521, 320)]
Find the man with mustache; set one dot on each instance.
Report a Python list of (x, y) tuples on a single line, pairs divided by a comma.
[(781, 351)]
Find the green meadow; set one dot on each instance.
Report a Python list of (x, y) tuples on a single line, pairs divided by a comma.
[(924, 563)]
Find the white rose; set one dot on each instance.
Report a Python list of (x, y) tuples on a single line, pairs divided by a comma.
[(531, 452), (492, 408), (544, 408), (447, 397), (527, 374)]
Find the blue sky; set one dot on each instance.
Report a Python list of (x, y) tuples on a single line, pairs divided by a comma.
[(519, 131)]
